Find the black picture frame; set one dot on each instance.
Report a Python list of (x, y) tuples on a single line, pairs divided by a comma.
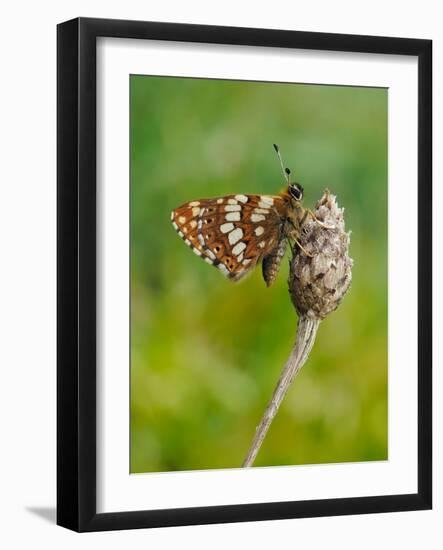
[(76, 279)]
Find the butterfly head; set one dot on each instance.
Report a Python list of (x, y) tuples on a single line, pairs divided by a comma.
[(295, 190)]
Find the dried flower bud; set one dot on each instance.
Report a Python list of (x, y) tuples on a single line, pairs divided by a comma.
[(317, 284)]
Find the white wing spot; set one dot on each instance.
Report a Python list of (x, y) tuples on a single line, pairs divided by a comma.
[(196, 251), (193, 224), (223, 269), (259, 230), (242, 198), (201, 239), (261, 244), (219, 201), (232, 201), (261, 210), (262, 204), (235, 236), (208, 260), (210, 254), (180, 234), (188, 242), (232, 217), (195, 211), (226, 227), (240, 258), (246, 262), (267, 199), (182, 219), (232, 208), (257, 218), (238, 248), (194, 203), (175, 226), (172, 215)]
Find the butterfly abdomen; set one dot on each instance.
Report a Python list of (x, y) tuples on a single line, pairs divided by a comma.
[(271, 262)]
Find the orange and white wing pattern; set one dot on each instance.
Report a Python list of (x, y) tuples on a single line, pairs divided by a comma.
[(232, 233)]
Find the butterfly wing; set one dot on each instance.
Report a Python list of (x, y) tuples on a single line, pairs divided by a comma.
[(232, 233)]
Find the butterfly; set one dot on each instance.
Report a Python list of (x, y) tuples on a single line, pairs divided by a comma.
[(236, 232)]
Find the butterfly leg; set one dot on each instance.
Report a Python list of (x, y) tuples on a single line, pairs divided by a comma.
[(292, 232), (301, 247), (313, 216)]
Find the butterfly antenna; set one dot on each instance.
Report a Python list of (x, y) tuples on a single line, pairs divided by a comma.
[(286, 171)]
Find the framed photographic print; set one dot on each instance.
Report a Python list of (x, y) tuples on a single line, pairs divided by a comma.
[(244, 274)]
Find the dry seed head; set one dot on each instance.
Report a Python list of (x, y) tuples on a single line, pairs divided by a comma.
[(318, 284)]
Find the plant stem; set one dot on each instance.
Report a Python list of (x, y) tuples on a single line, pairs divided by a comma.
[(306, 333)]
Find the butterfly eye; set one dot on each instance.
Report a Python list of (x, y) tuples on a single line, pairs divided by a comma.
[(296, 191)]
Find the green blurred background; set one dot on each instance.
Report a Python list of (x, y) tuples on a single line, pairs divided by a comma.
[(206, 353)]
